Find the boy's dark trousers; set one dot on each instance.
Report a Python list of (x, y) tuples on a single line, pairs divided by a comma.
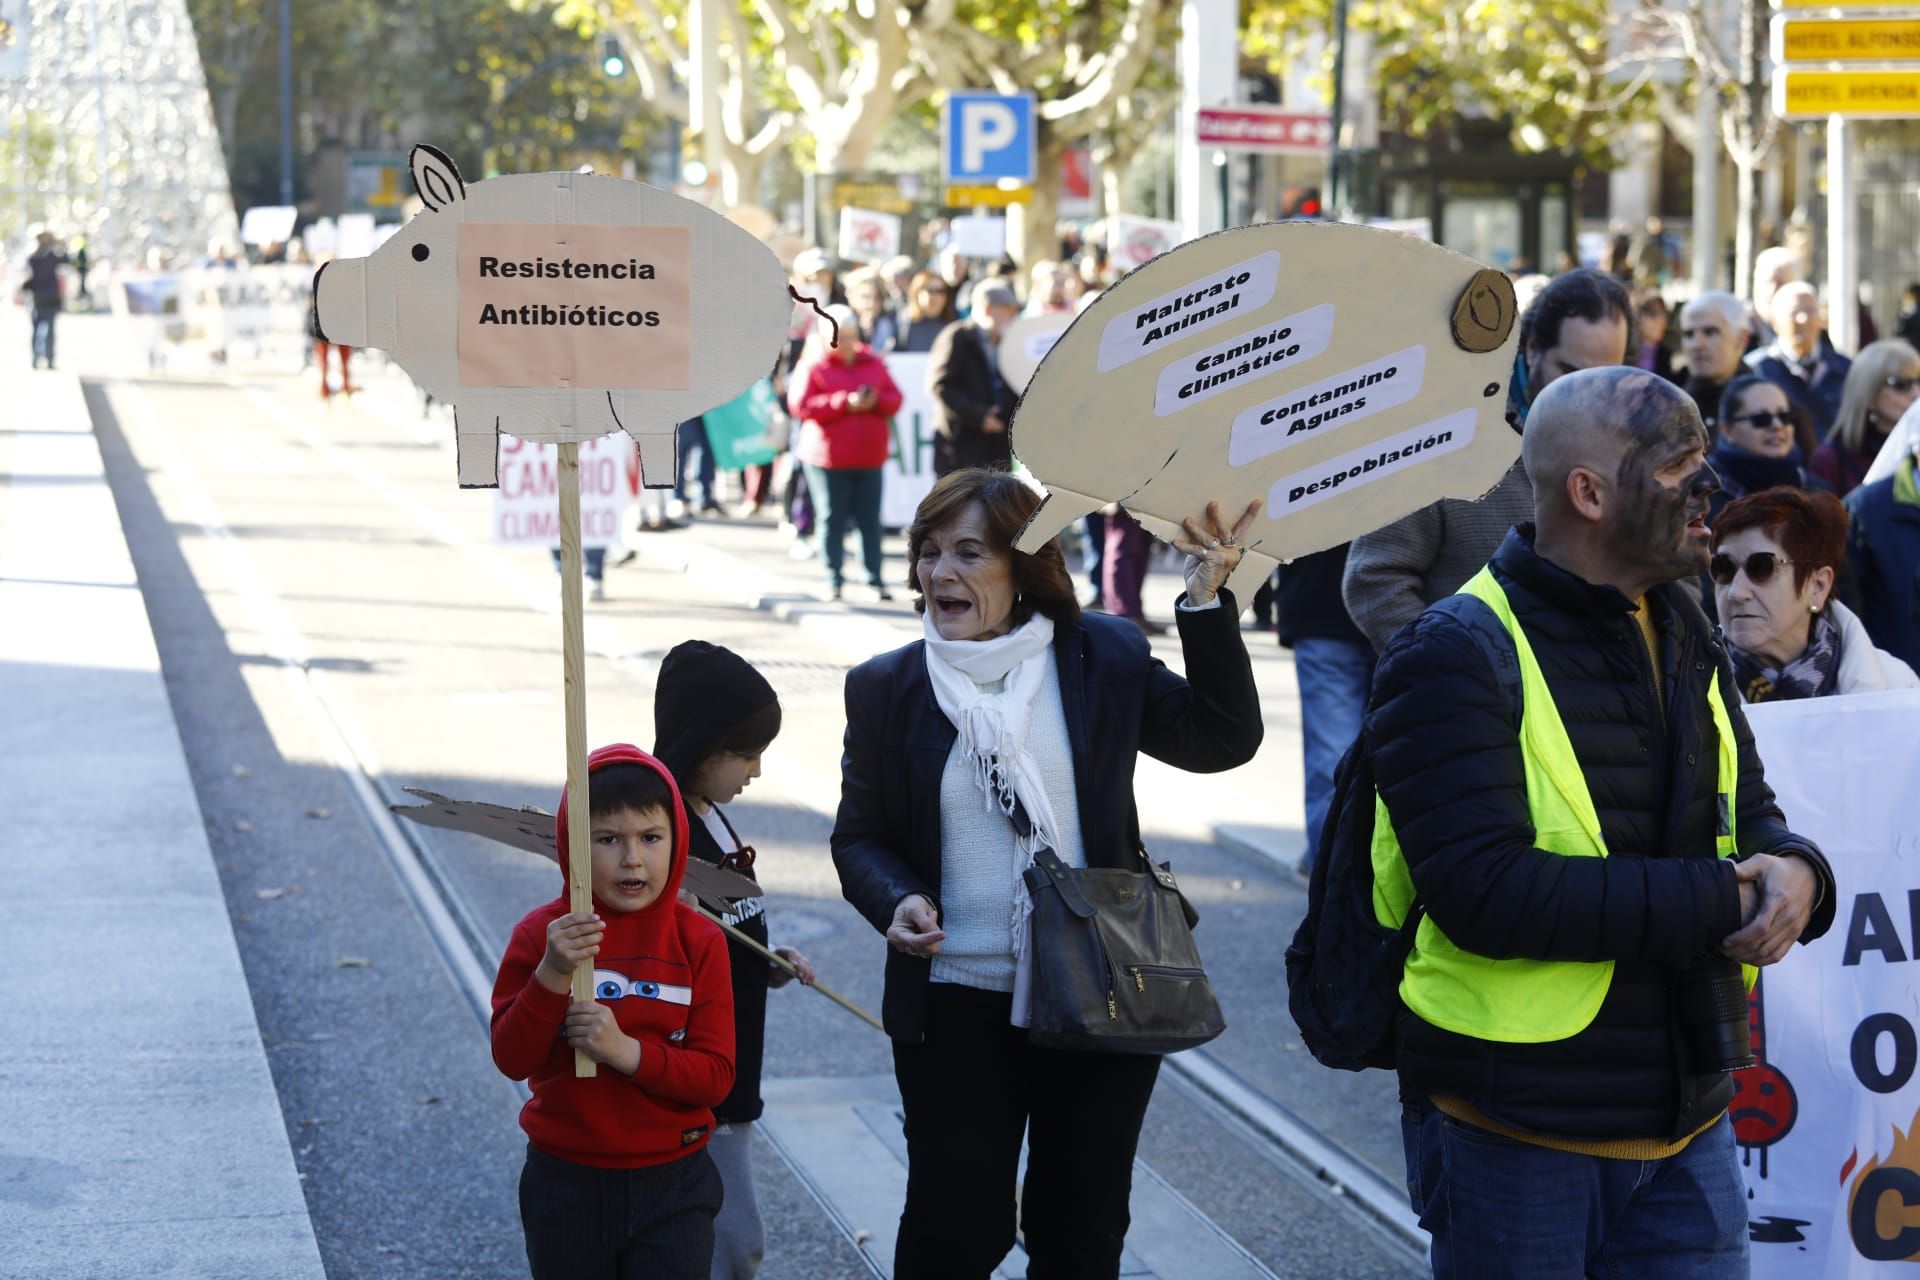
[(584, 1223)]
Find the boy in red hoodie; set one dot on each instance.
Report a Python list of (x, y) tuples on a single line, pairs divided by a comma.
[(618, 1182)]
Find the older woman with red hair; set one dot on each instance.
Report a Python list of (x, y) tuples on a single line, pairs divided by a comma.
[(1775, 556)]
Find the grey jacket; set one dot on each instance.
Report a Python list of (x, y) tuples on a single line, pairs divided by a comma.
[(1396, 572)]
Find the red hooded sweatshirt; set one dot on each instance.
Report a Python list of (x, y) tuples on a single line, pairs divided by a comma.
[(664, 971)]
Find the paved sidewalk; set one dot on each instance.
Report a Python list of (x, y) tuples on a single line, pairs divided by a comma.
[(140, 1133)]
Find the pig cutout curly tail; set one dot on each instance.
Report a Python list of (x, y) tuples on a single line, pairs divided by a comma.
[(801, 297)]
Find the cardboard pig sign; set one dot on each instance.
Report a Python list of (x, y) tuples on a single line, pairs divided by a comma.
[(560, 307), (1347, 375)]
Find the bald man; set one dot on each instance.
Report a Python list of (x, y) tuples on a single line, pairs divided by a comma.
[(1565, 1100), (1800, 360)]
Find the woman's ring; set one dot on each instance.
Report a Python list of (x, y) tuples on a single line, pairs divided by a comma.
[(1230, 542)]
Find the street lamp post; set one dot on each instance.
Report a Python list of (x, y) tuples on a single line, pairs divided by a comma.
[(286, 102)]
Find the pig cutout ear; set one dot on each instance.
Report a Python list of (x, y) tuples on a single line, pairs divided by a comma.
[(436, 176)]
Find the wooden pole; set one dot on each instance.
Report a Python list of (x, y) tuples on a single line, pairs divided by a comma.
[(578, 852)]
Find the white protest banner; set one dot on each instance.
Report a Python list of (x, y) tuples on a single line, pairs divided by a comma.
[(867, 235), (229, 305), (1829, 1123), (978, 235), (1346, 376), (909, 471), (526, 506)]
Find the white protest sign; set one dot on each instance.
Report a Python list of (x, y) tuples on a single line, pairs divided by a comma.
[(321, 238), (909, 471), (526, 506), (268, 224), (1344, 375), (354, 235), (1134, 242), (561, 306), (1829, 1123), (1026, 343), (867, 235), (978, 235)]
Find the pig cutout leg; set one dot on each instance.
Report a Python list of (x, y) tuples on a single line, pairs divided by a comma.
[(1060, 508), (477, 437), (659, 457)]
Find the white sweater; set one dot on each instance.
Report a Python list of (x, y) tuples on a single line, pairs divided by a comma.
[(977, 850)]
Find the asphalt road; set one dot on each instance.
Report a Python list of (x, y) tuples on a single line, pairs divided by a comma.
[(316, 579)]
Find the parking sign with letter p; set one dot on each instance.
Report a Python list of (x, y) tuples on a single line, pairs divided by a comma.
[(988, 138)]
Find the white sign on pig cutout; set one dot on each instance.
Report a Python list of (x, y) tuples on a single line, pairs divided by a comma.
[(1346, 375), (560, 307)]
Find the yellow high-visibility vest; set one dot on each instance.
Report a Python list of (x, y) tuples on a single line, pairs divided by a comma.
[(1524, 1001)]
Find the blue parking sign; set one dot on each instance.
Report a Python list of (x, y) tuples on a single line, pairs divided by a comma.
[(988, 137)]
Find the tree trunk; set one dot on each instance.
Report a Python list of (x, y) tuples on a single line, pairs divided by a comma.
[(1039, 239), (1116, 172)]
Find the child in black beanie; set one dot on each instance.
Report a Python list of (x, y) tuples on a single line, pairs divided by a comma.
[(713, 715)]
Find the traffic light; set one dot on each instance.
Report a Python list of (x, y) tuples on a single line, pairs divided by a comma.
[(613, 62)]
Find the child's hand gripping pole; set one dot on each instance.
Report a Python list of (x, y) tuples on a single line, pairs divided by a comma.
[(578, 852)]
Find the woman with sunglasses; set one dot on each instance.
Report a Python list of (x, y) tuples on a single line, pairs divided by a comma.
[(713, 717), (1775, 556), (929, 310), (1755, 450), (1883, 384)]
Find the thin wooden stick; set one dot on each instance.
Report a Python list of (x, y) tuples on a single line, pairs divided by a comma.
[(573, 648), (817, 985)]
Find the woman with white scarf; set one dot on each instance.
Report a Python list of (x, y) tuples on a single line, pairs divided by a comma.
[(1013, 695)]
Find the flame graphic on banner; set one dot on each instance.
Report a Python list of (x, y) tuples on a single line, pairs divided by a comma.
[(1883, 1206)]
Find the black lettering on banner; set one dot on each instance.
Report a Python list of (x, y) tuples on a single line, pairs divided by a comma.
[(489, 267), (1871, 929), (1865, 1052), (1863, 1219)]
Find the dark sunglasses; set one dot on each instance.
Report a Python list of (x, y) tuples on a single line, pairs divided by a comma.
[(1903, 384), (1766, 418), (740, 859), (1759, 566)]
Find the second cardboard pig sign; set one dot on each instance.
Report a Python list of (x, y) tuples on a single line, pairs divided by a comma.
[(559, 307), (1346, 375)]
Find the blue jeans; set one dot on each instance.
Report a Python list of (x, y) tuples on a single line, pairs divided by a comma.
[(1335, 678), (693, 438), (43, 318), (843, 498), (593, 562), (1497, 1208)]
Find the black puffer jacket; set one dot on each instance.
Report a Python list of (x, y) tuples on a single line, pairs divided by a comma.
[(1446, 753)]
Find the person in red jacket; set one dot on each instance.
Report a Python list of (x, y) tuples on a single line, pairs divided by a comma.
[(618, 1180), (845, 400)]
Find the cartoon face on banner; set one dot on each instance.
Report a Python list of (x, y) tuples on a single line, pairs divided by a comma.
[(560, 307), (1346, 375)]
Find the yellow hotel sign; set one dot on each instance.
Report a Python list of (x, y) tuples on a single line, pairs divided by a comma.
[(1846, 40), (1848, 5), (1865, 93), (986, 196)]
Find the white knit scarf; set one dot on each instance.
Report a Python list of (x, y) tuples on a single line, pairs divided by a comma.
[(993, 734)]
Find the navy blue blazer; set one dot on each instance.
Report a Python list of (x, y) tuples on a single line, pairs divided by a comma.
[(1119, 700)]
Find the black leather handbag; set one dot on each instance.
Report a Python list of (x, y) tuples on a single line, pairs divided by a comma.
[(1115, 969)]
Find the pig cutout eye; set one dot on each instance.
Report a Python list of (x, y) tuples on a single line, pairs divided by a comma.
[(436, 176), (421, 253)]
